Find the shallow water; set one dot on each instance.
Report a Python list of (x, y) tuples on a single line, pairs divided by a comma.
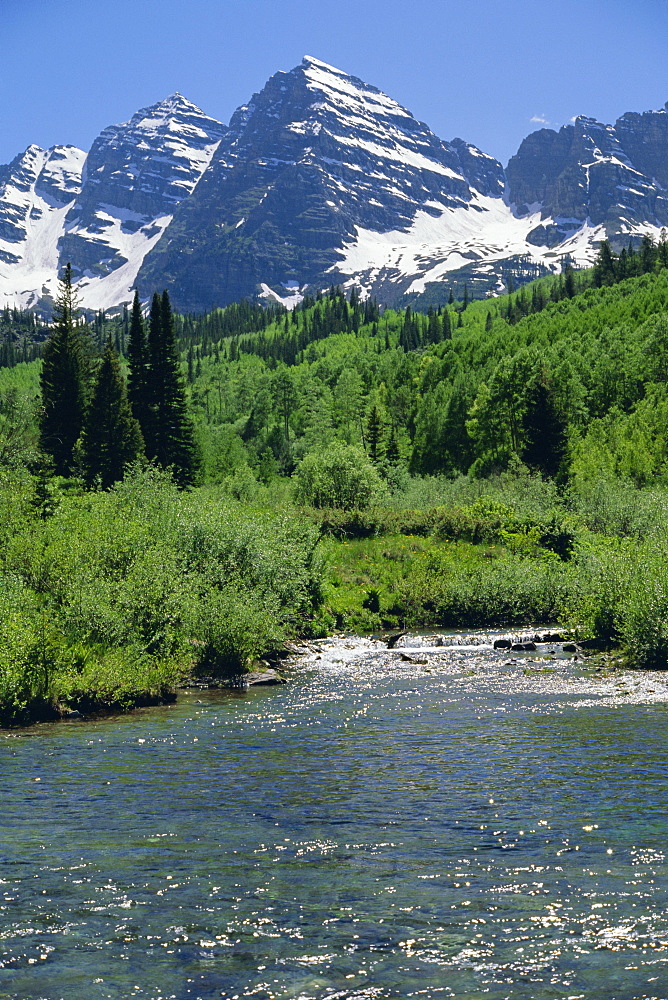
[(477, 826)]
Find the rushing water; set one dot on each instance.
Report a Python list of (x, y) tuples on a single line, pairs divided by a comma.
[(473, 826)]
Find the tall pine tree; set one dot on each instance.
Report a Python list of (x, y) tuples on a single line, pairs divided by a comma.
[(545, 430), (63, 382), (139, 372), (111, 437), (172, 440), (374, 432)]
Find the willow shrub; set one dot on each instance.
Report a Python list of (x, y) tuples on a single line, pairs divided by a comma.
[(623, 597), (616, 507), (144, 577), (342, 476), (27, 652), (502, 588)]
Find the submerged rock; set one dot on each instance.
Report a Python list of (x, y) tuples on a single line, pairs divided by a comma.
[(266, 677)]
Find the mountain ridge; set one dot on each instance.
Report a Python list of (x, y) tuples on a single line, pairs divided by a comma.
[(319, 179)]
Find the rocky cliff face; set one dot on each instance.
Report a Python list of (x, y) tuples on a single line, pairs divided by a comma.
[(314, 158), (319, 179), (593, 175), (134, 177), (104, 211)]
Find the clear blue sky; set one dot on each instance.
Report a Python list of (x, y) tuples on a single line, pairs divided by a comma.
[(485, 70)]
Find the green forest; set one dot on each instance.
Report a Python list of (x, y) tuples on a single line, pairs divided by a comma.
[(182, 494)]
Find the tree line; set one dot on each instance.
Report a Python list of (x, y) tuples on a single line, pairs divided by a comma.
[(545, 376)]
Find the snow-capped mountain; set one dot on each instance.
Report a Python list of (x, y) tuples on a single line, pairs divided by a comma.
[(316, 159), (134, 177), (102, 212), (320, 179), (612, 179)]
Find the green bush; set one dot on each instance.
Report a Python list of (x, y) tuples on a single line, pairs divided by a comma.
[(24, 671), (117, 592), (343, 476), (623, 597), (233, 628)]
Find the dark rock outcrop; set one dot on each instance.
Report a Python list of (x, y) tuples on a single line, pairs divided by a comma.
[(612, 176)]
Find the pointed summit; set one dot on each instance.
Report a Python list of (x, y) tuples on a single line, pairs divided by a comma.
[(312, 61), (175, 102), (136, 174), (348, 91), (174, 107), (314, 158)]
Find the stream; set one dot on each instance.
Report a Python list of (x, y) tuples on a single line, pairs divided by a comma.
[(438, 820)]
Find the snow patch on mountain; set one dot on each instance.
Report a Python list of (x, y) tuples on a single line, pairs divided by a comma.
[(34, 202), (98, 291), (348, 92), (484, 232), (400, 154), (293, 298)]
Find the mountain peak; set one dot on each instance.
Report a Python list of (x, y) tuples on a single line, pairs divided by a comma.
[(348, 94), (178, 101), (312, 61), (174, 104), (320, 178)]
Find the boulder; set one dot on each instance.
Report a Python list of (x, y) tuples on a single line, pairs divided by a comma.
[(392, 640)]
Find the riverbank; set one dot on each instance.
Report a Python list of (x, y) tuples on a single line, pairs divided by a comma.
[(114, 599), (539, 649), (412, 581)]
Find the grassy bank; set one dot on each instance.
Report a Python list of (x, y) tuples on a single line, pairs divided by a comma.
[(506, 551), (412, 581)]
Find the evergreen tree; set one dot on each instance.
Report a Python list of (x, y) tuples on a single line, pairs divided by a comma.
[(434, 329), (663, 249), (139, 372), (409, 338), (172, 437), (605, 271), (111, 437), (544, 431), (63, 382), (622, 265), (647, 254), (374, 432), (392, 450), (285, 397)]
